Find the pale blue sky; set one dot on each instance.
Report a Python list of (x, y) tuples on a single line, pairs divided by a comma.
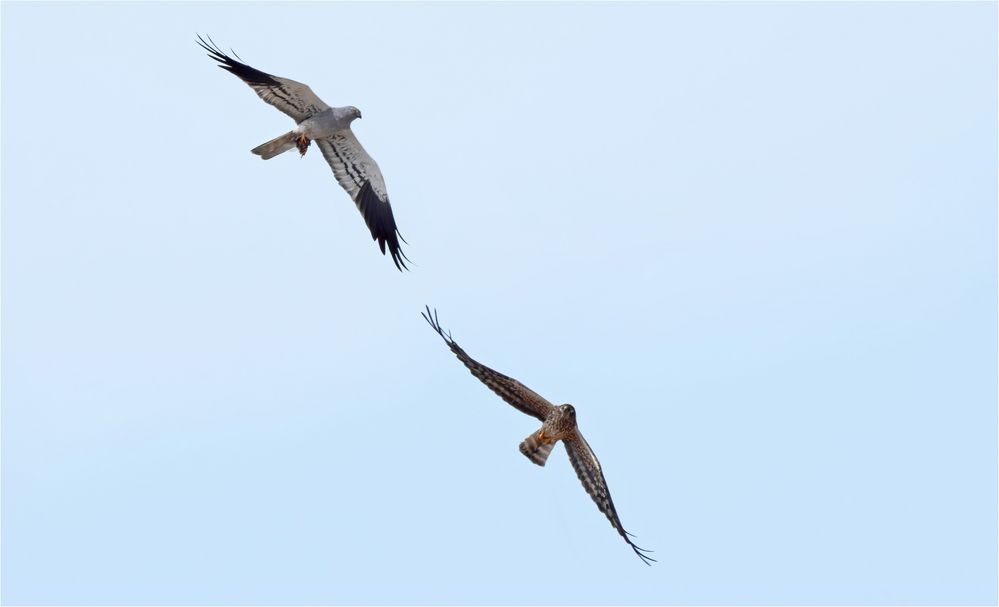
[(753, 244)]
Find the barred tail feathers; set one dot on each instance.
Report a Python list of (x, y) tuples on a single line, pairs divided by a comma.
[(535, 449)]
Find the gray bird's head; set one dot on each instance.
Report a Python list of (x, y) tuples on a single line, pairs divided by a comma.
[(353, 112)]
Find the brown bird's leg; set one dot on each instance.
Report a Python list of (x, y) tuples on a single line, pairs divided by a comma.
[(303, 144)]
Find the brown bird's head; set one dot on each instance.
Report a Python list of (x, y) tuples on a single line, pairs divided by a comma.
[(561, 422)]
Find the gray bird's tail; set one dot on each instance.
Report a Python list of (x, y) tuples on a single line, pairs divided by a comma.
[(536, 450), (275, 146)]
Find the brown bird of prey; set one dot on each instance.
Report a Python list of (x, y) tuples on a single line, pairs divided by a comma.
[(355, 170), (559, 424)]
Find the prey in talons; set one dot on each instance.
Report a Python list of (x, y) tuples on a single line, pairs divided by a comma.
[(303, 144)]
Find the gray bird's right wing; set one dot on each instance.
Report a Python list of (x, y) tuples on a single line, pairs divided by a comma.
[(293, 98)]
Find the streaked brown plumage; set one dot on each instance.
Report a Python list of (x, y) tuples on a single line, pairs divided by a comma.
[(559, 424)]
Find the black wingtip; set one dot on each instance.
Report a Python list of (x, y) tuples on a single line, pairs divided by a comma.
[(648, 560), (398, 255), (213, 50), (435, 323), (245, 73), (381, 222), (639, 550)]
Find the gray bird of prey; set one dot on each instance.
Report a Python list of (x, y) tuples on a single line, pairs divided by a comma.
[(558, 424), (355, 170)]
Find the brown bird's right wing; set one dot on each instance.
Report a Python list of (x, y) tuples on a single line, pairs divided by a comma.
[(587, 466), (509, 389)]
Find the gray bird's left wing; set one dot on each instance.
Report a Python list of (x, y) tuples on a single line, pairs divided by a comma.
[(293, 98), (358, 173), (587, 466)]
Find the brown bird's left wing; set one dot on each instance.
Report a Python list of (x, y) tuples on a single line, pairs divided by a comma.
[(509, 389), (587, 468)]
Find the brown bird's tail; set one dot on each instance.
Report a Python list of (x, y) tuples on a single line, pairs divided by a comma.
[(536, 450), (276, 146)]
